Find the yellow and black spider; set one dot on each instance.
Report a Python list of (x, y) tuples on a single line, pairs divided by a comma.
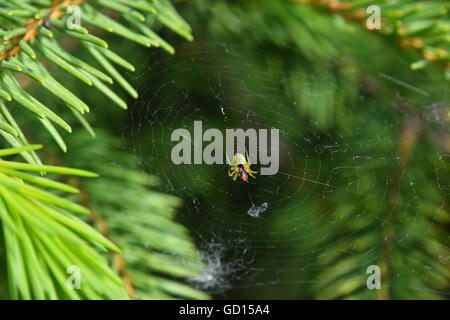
[(240, 167)]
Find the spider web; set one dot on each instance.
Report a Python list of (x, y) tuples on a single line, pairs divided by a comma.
[(323, 175)]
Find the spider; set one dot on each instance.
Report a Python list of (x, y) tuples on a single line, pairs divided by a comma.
[(240, 167)]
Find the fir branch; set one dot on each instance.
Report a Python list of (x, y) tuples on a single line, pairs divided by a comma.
[(39, 232)]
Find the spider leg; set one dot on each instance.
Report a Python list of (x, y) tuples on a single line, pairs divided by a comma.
[(233, 172), (246, 153)]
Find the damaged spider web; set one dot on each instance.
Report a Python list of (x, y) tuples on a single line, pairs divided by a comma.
[(326, 210)]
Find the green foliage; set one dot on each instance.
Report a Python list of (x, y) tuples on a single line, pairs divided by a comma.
[(416, 25), (343, 80), (155, 248), (24, 48), (310, 44), (40, 234), (41, 237)]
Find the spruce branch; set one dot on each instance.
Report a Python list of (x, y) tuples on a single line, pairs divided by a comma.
[(40, 233), (32, 30), (158, 256), (336, 75)]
